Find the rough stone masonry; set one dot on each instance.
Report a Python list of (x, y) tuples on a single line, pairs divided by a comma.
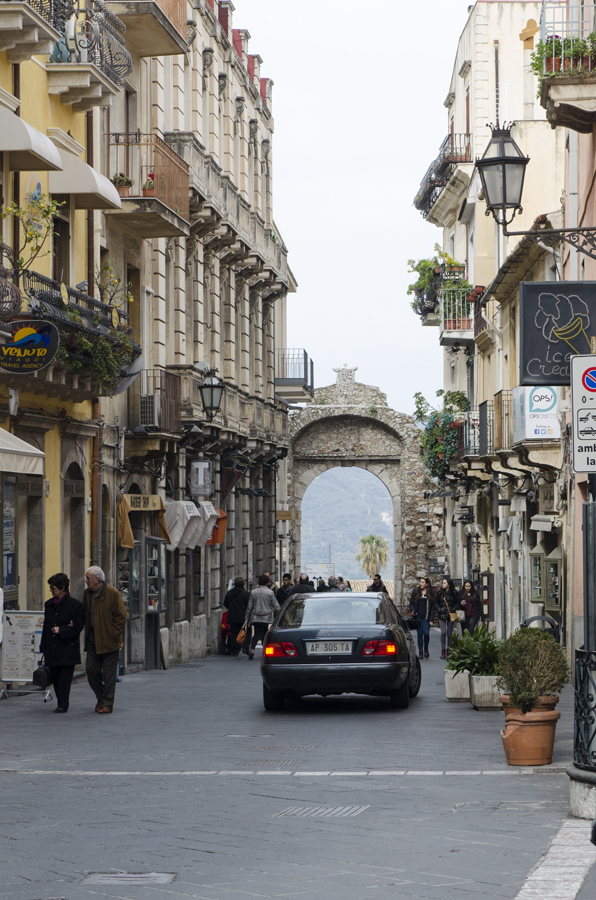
[(350, 424)]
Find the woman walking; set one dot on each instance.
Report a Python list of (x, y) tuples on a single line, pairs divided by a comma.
[(422, 604), (447, 605), (470, 603), (236, 603), (63, 622), (262, 607)]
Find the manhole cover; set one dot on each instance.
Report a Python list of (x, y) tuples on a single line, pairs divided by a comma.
[(268, 762), (129, 878), (321, 812), (298, 748)]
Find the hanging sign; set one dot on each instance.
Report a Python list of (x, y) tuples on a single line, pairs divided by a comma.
[(583, 417), (233, 466), (558, 321), (32, 345)]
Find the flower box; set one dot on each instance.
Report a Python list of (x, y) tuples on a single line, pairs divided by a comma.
[(457, 686), (484, 693)]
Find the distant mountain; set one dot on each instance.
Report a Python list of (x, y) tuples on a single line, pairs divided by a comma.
[(341, 506)]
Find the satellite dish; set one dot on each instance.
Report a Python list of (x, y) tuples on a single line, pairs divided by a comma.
[(130, 374)]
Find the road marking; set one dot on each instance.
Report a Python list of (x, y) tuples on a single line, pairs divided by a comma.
[(561, 873), (96, 773)]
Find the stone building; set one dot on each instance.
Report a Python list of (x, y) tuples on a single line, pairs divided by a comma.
[(350, 424)]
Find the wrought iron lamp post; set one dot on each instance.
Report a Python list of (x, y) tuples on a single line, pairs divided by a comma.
[(211, 395)]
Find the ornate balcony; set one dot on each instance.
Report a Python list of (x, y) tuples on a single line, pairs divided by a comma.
[(29, 29), (294, 375), (96, 347), (455, 316), (153, 182), (455, 149), (90, 60), (153, 28)]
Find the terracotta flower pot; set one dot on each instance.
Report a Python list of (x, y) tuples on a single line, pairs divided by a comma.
[(148, 192), (549, 701), (123, 189), (528, 739)]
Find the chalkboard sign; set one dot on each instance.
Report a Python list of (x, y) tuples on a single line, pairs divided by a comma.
[(557, 321)]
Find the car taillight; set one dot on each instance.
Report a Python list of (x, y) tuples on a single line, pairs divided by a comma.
[(379, 648), (274, 649)]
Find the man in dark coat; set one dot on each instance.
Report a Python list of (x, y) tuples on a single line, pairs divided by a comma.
[(377, 585), (284, 591), (63, 622), (303, 586), (105, 618), (236, 603)]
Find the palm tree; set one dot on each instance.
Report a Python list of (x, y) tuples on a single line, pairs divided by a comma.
[(373, 553)]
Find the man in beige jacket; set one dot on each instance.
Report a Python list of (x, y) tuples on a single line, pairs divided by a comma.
[(105, 617)]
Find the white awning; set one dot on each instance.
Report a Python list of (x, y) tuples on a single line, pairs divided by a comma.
[(545, 523), (18, 456), (91, 189), (209, 517), (29, 150), (185, 524)]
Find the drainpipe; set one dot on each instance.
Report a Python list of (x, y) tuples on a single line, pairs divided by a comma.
[(573, 201), (95, 492), (16, 177), (90, 213)]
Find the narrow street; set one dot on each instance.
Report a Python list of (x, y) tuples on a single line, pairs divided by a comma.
[(190, 776)]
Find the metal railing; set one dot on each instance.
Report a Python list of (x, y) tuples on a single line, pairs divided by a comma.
[(294, 367), (485, 428), (503, 420), (455, 312), (53, 11), (480, 323), (584, 738), (154, 402), (469, 444), (92, 35), (145, 166), (455, 149), (79, 311), (568, 35)]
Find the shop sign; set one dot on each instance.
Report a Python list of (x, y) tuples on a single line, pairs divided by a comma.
[(32, 345), (546, 499), (144, 502), (30, 486), (201, 479), (557, 321), (233, 466), (535, 413)]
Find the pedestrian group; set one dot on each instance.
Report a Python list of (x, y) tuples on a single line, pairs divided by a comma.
[(451, 607)]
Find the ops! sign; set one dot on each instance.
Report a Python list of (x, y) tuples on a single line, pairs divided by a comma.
[(583, 404), (33, 344)]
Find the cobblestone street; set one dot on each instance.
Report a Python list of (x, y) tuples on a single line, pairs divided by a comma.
[(190, 776)]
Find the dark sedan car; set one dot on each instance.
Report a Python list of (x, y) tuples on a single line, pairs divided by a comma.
[(339, 643)]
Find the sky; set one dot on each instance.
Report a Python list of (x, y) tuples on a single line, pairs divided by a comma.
[(358, 108)]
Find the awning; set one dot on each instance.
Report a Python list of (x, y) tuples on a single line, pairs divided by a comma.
[(209, 515), (185, 524), (19, 456), (128, 503), (91, 190), (545, 523), (29, 150), (219, 529)]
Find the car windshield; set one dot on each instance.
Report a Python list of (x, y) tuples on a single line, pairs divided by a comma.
[(316, 610)]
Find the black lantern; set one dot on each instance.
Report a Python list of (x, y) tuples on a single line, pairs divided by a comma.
[(211, 393), (502, 169)]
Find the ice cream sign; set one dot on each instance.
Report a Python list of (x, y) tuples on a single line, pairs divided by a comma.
[(535, 413), (557, 321), (32, 346)]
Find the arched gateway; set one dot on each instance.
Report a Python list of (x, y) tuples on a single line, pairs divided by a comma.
[(350, 424)]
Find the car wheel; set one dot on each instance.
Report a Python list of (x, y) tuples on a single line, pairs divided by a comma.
[(400, 699), (415, 680), (273, 701)]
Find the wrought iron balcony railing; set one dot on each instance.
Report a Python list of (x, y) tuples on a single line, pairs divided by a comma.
[(154, 403), (477, 438), (503, 420), (568, 35), (294, 367), (92, 35), (455, 312), (53, 11), (584, 742), (142, 165), (455, 149)]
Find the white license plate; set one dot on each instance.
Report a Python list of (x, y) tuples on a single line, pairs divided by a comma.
[(328, 648)]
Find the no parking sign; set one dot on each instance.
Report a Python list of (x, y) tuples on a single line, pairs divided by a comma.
[(583, 404)]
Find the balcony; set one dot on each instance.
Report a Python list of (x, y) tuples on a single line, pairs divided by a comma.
[(96, 347), (503, 421), (90, 60), (29, 29), (154, 185), (294, 375), (154, 404), (476, 433), (455, 316), (153, 28), (455, 150), (567, 55)]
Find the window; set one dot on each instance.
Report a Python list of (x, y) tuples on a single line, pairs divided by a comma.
[(61, 241), (321, 610)]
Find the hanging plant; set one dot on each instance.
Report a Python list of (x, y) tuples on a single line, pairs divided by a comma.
[(439, 438)]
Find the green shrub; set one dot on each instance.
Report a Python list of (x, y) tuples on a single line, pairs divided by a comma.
[(477, 653), (531, 664)]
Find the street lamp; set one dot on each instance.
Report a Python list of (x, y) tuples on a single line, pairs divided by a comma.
[(211, 395), (502, 169)]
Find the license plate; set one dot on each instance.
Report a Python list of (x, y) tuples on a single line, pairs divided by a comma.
[(328, 648)]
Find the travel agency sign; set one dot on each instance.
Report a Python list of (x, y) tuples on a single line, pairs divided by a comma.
[(32, 345)]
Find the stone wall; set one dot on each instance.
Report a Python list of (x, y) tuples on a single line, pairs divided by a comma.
[(350, 424)]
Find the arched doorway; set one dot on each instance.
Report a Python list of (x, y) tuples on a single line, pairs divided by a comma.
[(73, 529), (342, 505)]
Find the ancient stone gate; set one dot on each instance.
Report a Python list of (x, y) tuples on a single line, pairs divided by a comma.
[(350, 424)]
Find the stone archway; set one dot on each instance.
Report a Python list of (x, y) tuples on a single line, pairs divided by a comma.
[(350, 424)]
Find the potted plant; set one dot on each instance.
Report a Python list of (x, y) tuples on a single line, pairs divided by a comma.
[(122, 183), (477, 654), (532, 667), (149, 187)]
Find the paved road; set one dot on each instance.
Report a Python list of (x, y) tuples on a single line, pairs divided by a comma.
[(190, 776)]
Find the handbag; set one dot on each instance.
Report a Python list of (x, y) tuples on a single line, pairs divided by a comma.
[(242, 634), (42, 677), (453, 616), (461, 616), (413, 623)]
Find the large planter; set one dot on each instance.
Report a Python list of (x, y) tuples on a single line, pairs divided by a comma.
[(548, 702), (457, 686), (484, 693), (528, 739)]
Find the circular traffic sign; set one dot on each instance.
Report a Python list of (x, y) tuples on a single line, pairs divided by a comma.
[(589, 379)]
